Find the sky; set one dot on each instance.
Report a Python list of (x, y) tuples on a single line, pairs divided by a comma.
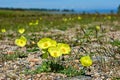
[(62, 4)]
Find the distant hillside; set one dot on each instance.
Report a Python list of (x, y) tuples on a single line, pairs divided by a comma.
[(37, 9), (101, 11)]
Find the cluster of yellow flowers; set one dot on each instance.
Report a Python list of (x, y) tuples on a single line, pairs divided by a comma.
[(22, 41), (55, 49), (34, 23), (64, 19), (108, 17)]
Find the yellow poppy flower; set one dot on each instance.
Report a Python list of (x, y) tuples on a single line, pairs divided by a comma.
[(21, 31), (109, 17), (30, 24), (79, 18), (36, 23), (54, 51), (21, 41), (98, 28), (45, 43), (64, 48), (64, 19), (70, 19), (3, 30), (40, 18), (86, 61)]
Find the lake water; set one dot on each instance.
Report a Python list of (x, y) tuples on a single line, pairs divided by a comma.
[(86, 11)]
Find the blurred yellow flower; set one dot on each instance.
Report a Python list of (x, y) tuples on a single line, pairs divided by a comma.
[(45, 43), (93, 18), (21, 41), (30, 23), (97, 28), (86, 61), (21, 30), (36, 23), (54, 51), (109, 17), (70, 18), (40, 18), (64, 19), (3, 30), (79, 18), (64, 48)]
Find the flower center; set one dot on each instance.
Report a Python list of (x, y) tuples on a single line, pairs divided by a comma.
[(46, 44), (55, 53), (21, 42), (63, 49)]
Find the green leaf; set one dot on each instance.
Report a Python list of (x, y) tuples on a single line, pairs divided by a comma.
[(45, 55)]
